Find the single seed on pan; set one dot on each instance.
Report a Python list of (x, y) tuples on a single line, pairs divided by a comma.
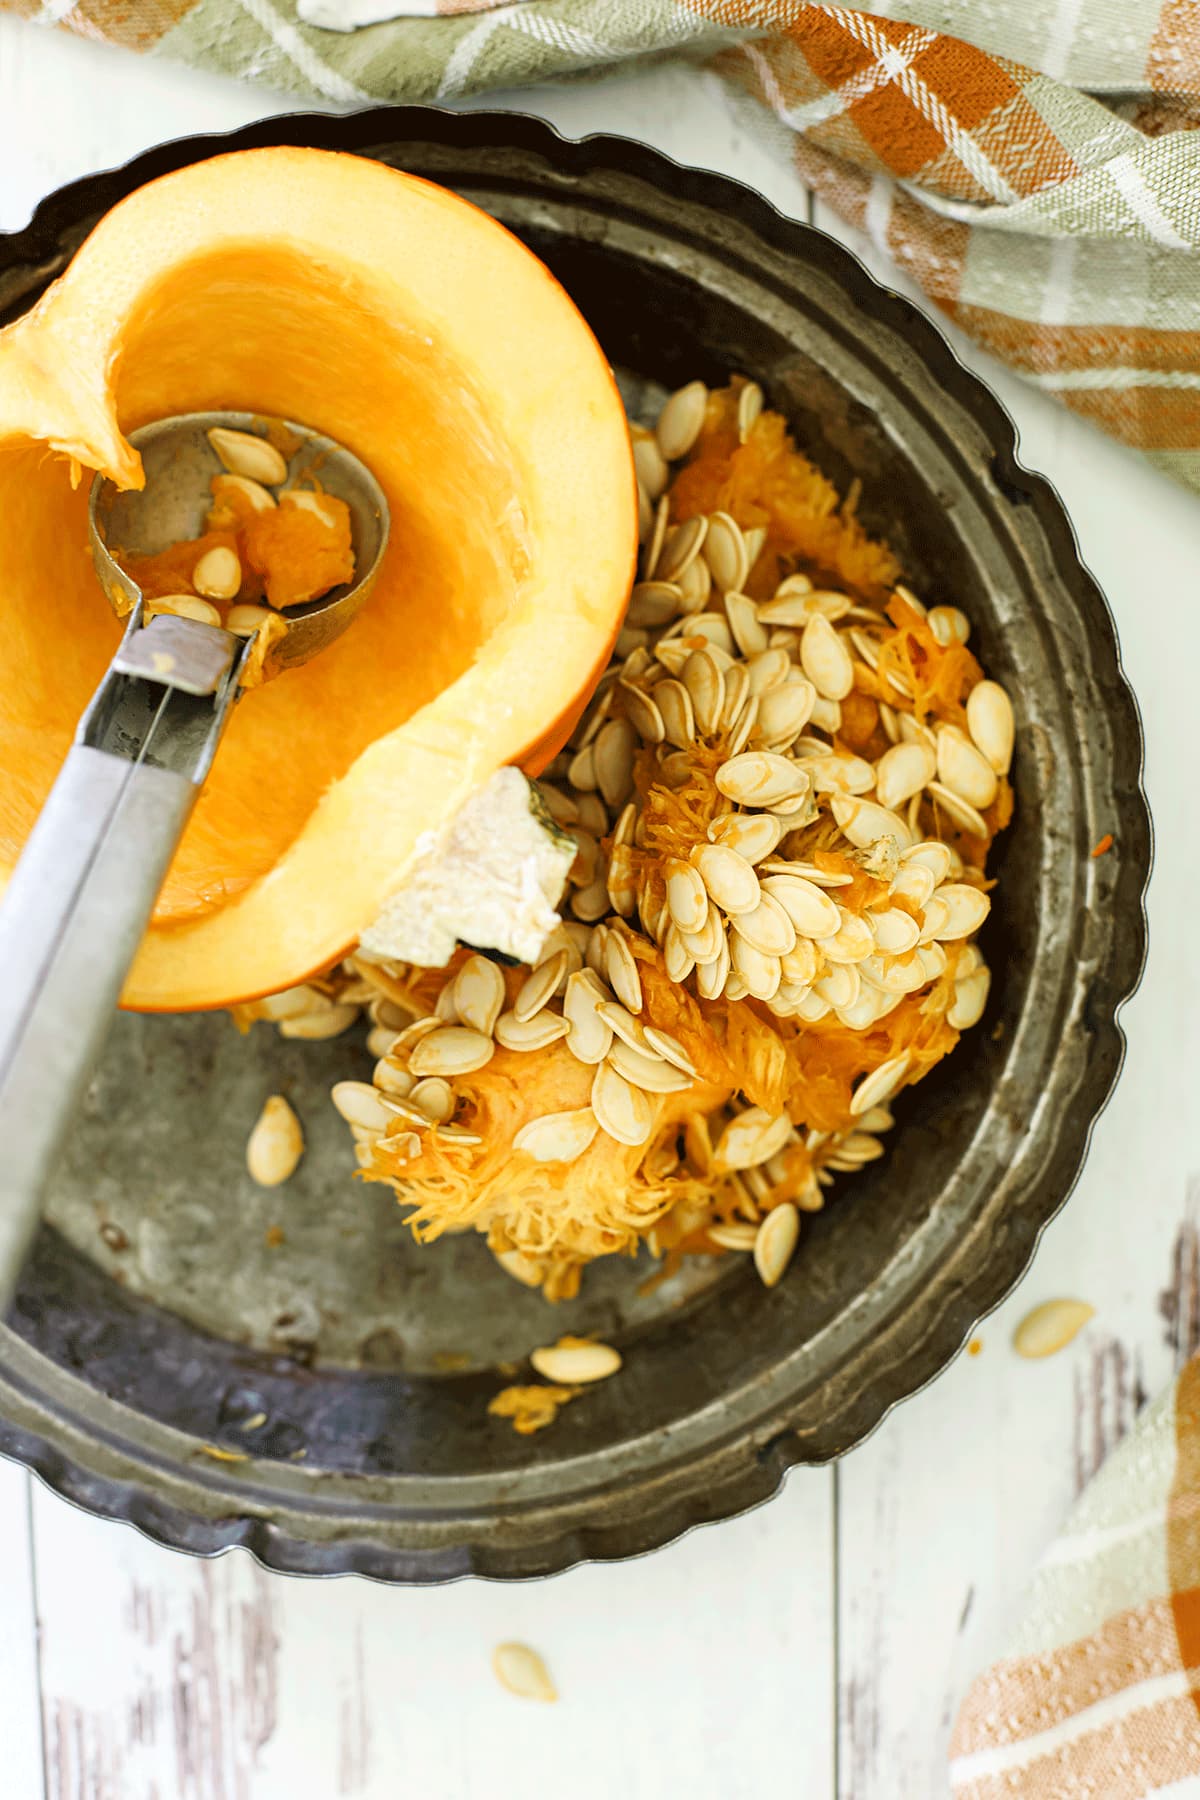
[(990, 722), (902, 772), (960, 813), (245, 453), (359, 1104), (880, 1085), (478, 990), (964, 769), (725, 551), (776, 1243), (276, 1143), (539, 986), (826, 660), (729, 878), (623, 1110), (1051, 1326), (769, 927), (622, 971), (329, 1022), (524, 1035), (687, 897), (650, 1073), (753, 835), (970, 998), (451, 1050), (589, 1038), (669, 1047), (574, 1361), (522, 1671), (681, 420), (557, 1137)]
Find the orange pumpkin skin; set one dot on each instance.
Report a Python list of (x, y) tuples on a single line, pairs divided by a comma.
[(420, 333)]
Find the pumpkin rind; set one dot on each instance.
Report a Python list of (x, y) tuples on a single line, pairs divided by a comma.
[(420, 333)]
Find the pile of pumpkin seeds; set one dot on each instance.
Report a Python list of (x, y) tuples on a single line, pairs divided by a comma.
[(752, 690)]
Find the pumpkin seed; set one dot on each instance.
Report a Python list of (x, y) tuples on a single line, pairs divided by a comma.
[(589, 1037), (654, 543), (902, 772), (582, 771), (839, 985), (813, 1009), (933, 960), (914, 882), (932, 855), (966, 909), (218, 574), (538, 987), (381, 1040), (650, 1073), (681, 420), (895, 932), (970, 998), (695, 585), (783, 712), (737, 693), (622, 971), (949, 625), (853, 941), (964, 769), (725, 551), (706, 685), (576, 1361), (670, 1048), (184, 606), (276, 1143), (750, 404), (776, 1242), (748, 633), (768, 927), (733, 1237), (451, 1050), (650, 464), (592, 902), (653, 603), (557, 1137), (768, 670), (478, 993), (543, 1029), (674, 705), (864, 822), (445, 1007), (712, 975), (754, 1136), (825, 659), (434, 1098), (621, 883), (838, 773), (389, 1078), (613, 754), (880, 1085), (360, 1104), (623, 1024), (742, 729), (522, 1671), (704, 944), (757, 778), (330, 1022), (991, 724), (752, 835), (245, 620), (1051, 1326), (687, 897), (826, 715), (799, 965), (592, 814), (245, 453), (643, 714), (810, 910), (759, 972), (623, 1110), (822, 878), (728, 877), (681, 548)]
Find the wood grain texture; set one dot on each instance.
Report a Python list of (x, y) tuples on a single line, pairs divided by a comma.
[(709, 1669)]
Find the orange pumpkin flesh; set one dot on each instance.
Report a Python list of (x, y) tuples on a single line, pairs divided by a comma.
[(419, 333)]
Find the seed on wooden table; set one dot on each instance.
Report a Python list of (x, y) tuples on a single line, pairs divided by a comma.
[(752, 835), (329, 1022), (650, 1073), (760, 973), (990, 722), (589, 1038), (681, 420), (752, 1137), (359, 1104), (687, 897), (966, 909), (748, 634), (902, 772), (949, 625), (970, 998), (768, 670), (768, 928), (964, 769), (680, 549), (522, 1671), (623, 1110), (1051, 1326), (538, 987), (451, 1050), (245, 453), (853, 941), (524, 1035), (826, 660), (864, 822), (651, 464), (729, 878), (674, 705), (775, 1244), (757, 778), (677, 958), (478, 994), (783, 712), (613, 753), (895, 931), (621, 968), (575, 1361), (880, 1085), (725, 551), (276, 1143), (557, 1137), (810, 910)]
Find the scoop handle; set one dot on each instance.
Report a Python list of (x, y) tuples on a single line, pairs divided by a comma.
[(82, 893), (73, 917)]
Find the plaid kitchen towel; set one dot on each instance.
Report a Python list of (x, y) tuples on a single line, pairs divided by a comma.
[(1032, 164), (1100, 1693)]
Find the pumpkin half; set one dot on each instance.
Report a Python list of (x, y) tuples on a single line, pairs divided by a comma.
[(421, 334)]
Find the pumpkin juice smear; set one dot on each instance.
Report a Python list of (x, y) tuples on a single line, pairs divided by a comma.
[(747, 1103)]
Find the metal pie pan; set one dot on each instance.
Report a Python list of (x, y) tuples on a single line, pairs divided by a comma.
[(322, 1400)]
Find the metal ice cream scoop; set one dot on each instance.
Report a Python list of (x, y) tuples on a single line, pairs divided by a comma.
[(84, 889)]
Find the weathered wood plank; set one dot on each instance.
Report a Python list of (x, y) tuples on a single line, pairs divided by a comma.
[(20, 1708)]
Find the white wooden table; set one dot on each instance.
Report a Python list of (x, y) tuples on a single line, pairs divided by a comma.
[(816, 1648)]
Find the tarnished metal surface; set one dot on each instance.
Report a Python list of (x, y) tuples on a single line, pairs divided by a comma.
[(376, 1453)]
